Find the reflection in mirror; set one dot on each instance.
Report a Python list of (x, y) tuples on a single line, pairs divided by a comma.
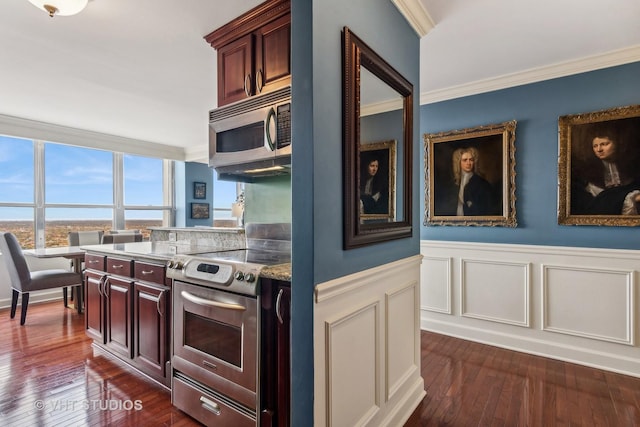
[(378, 131), (381, 118)]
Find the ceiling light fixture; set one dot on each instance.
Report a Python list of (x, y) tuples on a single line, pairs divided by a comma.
[(60, 7)]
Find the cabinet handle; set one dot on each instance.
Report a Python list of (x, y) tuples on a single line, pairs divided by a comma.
[(146, 273), (160, 298), (93, 261), (118, 267), (210, 405), (278, 302), (247, 88), (106, 287), (259, 81), (211, 303)]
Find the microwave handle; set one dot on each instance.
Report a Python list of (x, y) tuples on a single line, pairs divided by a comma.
[(271, 115)]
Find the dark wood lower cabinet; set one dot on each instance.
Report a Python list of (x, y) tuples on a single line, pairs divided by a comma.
[(276, 339), (151, 315), (129, 316), (94, 314), (119, 315)]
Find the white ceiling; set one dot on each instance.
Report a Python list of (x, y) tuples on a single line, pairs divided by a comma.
[(142, 70)]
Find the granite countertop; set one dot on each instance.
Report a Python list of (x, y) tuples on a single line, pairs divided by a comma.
[(277, 272), (163, 251), (154, 251)]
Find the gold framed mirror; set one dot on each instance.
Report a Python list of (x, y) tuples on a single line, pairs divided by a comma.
[(377, 106)]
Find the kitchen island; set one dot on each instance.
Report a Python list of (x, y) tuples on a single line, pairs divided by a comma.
[(129, 311)]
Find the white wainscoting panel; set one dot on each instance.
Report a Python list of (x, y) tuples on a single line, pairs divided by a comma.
[(353, 366), (435, 294), (402, 348), (495, 290), (606, 308), (367, 347), (568, 303)]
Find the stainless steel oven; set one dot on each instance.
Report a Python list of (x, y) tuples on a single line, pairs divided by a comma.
[(217, 348), (215, 354)]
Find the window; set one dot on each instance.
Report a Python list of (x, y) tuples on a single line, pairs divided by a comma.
[(224, 195), (48, 189)]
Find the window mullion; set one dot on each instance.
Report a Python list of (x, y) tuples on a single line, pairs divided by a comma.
[(118, 191), (39, 193)]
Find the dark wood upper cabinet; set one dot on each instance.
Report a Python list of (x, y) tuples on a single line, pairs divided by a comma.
[(254, 52)]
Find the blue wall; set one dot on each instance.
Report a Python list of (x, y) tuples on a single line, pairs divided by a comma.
[(536, 107), (317, 210)]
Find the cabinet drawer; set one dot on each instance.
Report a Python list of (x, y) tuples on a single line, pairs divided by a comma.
[(95, 262), (206, 408), (149, 272), (121, 267)]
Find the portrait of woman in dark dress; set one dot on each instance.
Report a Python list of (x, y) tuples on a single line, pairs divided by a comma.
[(374, 187), (606, 172)]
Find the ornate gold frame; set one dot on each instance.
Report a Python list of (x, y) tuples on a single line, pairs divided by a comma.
[(496, 142), (575, 141)]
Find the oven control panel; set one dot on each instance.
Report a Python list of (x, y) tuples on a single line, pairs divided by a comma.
[(236, 277)]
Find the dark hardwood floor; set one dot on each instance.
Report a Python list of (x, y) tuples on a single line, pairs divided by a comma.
[(50, 361), (471, 384), (49, 376)]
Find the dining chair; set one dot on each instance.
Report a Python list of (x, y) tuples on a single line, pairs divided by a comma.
[(78, 238), (24, 281), (121, 238)]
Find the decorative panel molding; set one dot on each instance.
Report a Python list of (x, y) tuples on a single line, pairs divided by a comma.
[(495, 291), (436, 292), (353, 367), (606, 302), (582, 302), (367, 346), (403, 353)]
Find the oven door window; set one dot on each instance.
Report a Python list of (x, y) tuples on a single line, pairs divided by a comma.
[(214, 338)]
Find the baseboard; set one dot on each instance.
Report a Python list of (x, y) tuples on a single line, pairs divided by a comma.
[(579, 355), (36, 298)]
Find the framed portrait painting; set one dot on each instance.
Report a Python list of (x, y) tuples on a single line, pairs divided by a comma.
[(377, 177), (470, 176), (598, 168)]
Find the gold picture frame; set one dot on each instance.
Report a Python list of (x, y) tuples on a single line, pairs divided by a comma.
[(598, 169), (487, 197), (377, 190)]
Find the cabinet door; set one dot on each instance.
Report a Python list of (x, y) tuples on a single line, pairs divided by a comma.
[(273, 55), (151, 329), (94, 305), (235, 70), (119, 326), (275, 365), (283, 340)]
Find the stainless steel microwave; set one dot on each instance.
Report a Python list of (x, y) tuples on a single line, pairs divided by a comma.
[(251, 138)]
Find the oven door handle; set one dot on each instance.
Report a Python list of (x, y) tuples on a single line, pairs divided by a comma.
[(203, 301)]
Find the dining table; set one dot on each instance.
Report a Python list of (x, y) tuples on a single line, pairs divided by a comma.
[(74, 253)]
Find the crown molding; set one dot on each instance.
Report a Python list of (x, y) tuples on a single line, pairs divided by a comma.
[(381, 107), (199, 154), (591, 63), (416, 14), (33, 129)]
